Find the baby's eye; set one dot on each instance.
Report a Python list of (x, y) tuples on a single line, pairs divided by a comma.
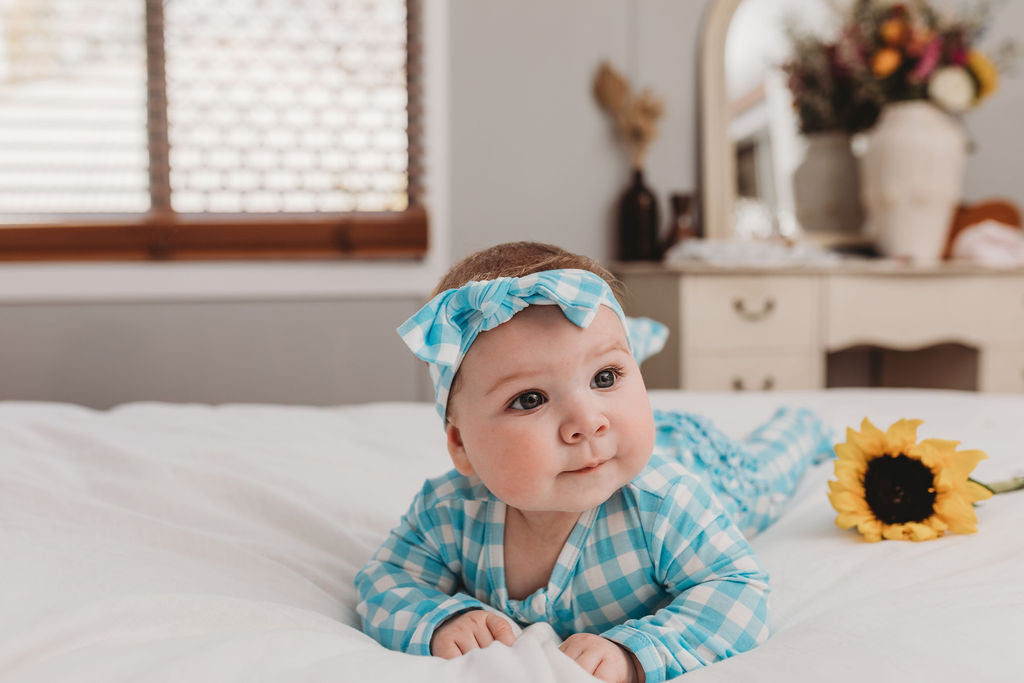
[(528, 400), (604, 379)]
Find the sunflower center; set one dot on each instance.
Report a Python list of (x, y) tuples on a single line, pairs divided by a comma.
[(899, 489)]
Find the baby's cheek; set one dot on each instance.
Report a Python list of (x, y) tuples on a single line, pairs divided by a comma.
[(513, 485), (643, 435)]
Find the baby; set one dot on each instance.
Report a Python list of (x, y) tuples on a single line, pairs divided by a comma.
[(571, 501)]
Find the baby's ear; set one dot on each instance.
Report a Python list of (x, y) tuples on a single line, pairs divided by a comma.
[(457, 450)]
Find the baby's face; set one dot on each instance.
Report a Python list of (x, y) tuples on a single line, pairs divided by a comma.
[(551, 416)]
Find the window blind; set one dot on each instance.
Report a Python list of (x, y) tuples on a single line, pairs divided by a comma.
[(198, 128)]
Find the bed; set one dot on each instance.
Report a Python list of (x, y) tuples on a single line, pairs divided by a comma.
[(190, 542)]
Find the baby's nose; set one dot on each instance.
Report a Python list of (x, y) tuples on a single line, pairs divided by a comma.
[(584, 422)]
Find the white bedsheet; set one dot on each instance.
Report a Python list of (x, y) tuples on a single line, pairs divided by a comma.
[(193, 543)]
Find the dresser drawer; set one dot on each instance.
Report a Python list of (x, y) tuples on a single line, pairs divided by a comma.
[(751, 372), (733, 313), (913, 312), (1002, 370)]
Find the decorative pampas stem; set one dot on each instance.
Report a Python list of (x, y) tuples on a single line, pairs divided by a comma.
[(635, 115)]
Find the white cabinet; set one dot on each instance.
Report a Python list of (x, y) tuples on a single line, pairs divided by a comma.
[(758, 329)]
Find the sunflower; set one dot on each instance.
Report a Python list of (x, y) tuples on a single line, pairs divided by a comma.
[(890, 486)]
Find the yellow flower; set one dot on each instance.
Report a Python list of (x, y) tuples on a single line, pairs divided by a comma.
[(891, 486), (984, 71), (885, 61)]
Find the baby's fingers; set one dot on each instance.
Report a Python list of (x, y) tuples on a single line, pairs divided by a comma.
[(445, 648), (500, 630), (577, 648), (574, 645)]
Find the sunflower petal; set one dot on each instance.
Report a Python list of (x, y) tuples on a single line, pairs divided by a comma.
[(895, 532), (847, 520), (851, 480), (870, 440), (957, 513), (847, 501), (976, 492), (901, 435), (965, 461), (851, 453), (936, 522), (943, 446), (871, 530), (921, 532), (929, 453)]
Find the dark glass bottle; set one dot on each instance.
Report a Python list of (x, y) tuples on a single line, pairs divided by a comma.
[(638, 222)]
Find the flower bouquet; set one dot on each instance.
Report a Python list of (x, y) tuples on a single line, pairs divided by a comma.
[(830, 93), (889, 52), (918, 66), (911, 51)]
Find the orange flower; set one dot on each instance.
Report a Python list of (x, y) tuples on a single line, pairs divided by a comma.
[(885, 62), (894, 31)]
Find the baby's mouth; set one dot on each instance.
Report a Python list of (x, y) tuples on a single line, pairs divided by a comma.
[(588, 468)]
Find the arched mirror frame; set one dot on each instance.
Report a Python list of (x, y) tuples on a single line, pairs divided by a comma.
[(718, 159)]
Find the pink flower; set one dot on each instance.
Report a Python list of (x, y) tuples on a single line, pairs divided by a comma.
[(926, 65)]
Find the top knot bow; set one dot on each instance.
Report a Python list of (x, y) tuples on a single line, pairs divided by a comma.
[(442, 331)]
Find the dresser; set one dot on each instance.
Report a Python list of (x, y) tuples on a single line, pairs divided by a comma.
[(756, 328)]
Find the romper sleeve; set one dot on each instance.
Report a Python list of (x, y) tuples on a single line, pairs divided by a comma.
[(409, 588), (720, 604)]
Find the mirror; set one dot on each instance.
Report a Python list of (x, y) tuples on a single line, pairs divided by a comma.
[(751, 148)]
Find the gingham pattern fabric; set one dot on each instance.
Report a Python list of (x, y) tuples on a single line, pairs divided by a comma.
[(660, 567), (756, 476), (442, 331)]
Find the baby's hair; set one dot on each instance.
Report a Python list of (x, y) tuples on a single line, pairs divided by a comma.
[(516, 259)]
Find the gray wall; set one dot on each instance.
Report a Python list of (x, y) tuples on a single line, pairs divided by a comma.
[(311, 352), (996, 165), (529, 157), (532, 155)]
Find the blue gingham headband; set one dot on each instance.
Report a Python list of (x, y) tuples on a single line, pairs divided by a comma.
[(442, 331)]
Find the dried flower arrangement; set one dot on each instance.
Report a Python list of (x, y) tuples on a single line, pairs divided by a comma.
[(828, 95), (635, 115), (913, 51), (892, 52)]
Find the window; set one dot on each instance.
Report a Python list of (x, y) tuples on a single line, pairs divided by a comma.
[(195, 129)]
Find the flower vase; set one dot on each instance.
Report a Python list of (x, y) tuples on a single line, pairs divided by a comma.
[(638, 222), (826, 187), (911, 173)]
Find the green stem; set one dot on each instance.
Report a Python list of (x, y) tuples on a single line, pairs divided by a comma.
[(1012, 484)]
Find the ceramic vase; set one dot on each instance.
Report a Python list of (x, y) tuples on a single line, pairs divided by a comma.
[(826, 187), (911, 175)]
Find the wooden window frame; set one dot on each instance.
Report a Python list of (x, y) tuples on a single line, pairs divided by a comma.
[(163, 235)]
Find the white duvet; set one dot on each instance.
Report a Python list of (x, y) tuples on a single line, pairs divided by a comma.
[(199, 543)]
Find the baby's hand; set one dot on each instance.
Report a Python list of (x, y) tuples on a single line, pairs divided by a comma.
[(468, 631), (603, 658)]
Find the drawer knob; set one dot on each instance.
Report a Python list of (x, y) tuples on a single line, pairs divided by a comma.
[(740, 306), (766, 385)]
